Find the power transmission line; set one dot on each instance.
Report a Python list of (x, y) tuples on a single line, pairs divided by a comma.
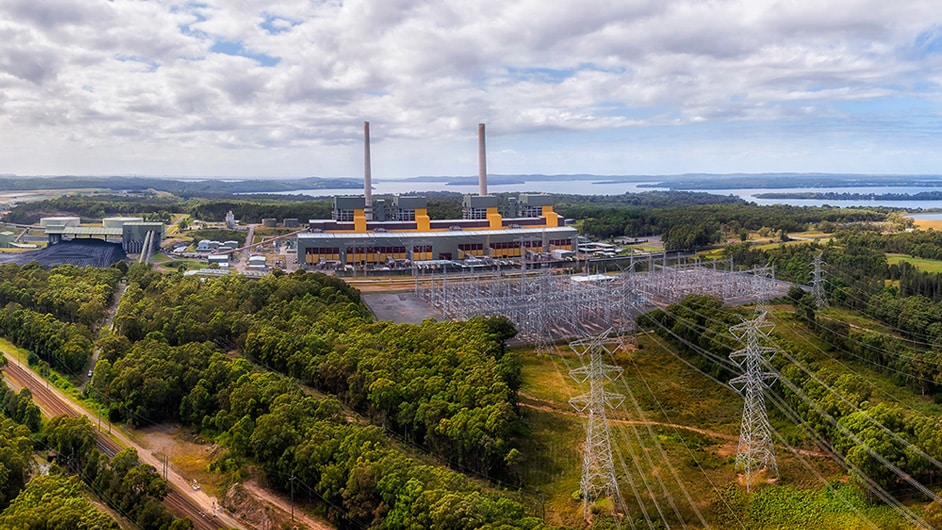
[(817, 284), (598, 467), (756, 450)]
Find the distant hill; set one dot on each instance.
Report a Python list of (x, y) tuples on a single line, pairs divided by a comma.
[(790, 180), (710, 181), (216, 187), (201, 188), (837, 196)]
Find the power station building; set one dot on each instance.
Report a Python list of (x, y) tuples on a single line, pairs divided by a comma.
[(134, 232), (409, 234), (363, 232)]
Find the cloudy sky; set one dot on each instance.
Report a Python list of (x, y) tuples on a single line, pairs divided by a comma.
[(282, 87)]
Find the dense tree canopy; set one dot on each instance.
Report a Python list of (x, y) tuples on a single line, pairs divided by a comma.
[(54, 502), (96, 207), (69, 293), (448, 386), (131, 487), (698, 224), (52, 312), (16, 449)]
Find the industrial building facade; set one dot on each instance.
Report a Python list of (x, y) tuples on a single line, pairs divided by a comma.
[(405, 232), (134, 232), (367, 233)]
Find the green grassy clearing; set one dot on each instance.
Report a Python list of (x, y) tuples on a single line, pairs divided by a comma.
[(856, 320), (811, 234), (647, 248), (773, 245), (182, 265), (925, 265), (267, 232)]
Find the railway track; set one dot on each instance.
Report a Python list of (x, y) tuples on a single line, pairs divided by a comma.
[(177, 502)]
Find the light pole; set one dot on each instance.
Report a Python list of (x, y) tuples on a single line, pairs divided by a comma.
[(292, 497)]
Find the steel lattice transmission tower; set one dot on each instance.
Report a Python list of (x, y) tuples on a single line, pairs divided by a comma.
[(598, 467), (817, 284), (756, 450)]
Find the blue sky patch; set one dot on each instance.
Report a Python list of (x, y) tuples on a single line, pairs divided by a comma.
[(547, 75), (275, 24), (191, 9), (237, 49), (152, 64), (928, 42)]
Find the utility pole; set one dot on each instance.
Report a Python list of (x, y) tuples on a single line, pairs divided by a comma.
[(598, 467), (817, 284), (756, 450), (415, 269), (292, 497)]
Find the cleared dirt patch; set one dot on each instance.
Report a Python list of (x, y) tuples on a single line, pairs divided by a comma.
[(189, 455)]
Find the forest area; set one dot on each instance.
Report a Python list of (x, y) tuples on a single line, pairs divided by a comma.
[(445, 387), (57, 498), (433, 425)]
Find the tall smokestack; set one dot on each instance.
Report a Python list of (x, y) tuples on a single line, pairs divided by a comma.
[(482, 162), (367, 173)]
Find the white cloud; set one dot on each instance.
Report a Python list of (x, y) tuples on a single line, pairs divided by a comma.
[(256, 79)]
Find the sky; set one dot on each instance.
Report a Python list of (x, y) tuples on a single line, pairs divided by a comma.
[(281, 88)]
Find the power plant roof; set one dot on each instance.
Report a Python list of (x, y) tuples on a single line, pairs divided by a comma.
[(340, 236)]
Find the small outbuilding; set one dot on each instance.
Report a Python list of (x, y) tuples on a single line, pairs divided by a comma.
[(220, 259), (257, 262)]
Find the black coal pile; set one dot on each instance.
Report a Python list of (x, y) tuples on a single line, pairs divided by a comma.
[(79, 252)]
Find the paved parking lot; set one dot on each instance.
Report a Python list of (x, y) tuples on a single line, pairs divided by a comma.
[(401, 308)]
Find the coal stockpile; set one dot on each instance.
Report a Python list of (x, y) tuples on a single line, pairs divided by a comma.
[(79, 252)]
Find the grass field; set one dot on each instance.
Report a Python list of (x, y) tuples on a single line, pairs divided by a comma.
[(926, 224), (268, 232), (810, 234), (181, 265), (776, 244), (925, 265), (765, 243), (678, 427)]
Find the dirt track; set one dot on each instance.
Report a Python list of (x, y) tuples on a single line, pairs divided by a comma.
[(536, 403), (273, 500)]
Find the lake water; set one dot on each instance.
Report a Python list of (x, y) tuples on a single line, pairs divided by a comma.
[(603, 187), (574, 187)]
